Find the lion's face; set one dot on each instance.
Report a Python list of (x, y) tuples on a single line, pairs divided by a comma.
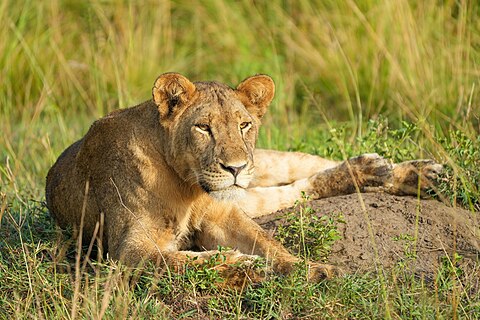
[(212, 132)]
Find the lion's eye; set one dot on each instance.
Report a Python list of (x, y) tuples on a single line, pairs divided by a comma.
[(203, 128), (245, 125)]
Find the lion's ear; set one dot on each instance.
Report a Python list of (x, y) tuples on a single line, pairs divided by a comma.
[(171, 92), (256, 93)]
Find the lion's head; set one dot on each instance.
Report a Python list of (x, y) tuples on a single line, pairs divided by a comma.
[(211, 129)]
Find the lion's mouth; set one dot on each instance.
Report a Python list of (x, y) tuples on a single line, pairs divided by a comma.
[(231, 193), (208, 189), (226, 192), (205, 187), (220, 183)]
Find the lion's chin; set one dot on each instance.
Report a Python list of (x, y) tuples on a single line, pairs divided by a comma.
[(231, 193)]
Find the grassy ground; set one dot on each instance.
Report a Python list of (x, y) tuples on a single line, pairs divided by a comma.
[(337, 64)]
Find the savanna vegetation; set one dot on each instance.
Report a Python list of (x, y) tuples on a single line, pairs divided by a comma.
[(400, 78)]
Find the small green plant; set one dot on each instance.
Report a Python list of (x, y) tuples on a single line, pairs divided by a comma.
[(310, 235), (462, 175), (449, 273), (291, 296), (395, 144), (203, 276), (409, 250)]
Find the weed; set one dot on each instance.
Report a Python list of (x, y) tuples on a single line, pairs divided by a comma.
[(462, 176), (409, 249), (307, 234)]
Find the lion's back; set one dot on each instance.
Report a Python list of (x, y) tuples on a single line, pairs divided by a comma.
[(78, 177)]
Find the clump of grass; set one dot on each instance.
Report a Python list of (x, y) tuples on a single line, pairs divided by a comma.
[(307, 234), (397, 144), (462, 176)]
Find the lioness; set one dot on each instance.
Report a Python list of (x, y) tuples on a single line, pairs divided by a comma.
[(181, 170)]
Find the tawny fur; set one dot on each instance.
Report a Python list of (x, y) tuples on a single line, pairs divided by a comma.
[(181, 170)]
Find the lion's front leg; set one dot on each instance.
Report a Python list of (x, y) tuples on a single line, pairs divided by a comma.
[(227, 226), (138, 247)]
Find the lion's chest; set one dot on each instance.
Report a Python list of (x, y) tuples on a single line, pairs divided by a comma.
[(171, 214), (181, 226), (170, 202)]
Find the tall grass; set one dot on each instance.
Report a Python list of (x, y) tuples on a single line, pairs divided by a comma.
[(336, 65), (66, 62)]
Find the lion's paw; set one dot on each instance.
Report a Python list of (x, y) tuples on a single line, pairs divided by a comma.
[(414, 177), (319, 271), (239, 269)]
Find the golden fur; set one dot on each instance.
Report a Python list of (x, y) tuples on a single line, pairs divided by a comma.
[(180, 170)]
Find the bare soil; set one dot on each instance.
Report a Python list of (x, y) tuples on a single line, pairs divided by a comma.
[(378, 225)]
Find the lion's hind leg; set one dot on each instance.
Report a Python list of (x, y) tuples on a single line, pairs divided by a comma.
[(359, 174), (277, 168), (372, 173)]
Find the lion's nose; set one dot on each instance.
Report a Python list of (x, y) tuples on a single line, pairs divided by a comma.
[(233, 169)]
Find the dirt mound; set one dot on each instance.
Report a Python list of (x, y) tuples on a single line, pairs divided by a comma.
[(380, 231)]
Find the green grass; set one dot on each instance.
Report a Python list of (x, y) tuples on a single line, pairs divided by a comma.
[(337, 64)]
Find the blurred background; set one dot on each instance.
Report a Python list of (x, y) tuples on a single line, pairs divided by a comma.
[(346, 71)]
